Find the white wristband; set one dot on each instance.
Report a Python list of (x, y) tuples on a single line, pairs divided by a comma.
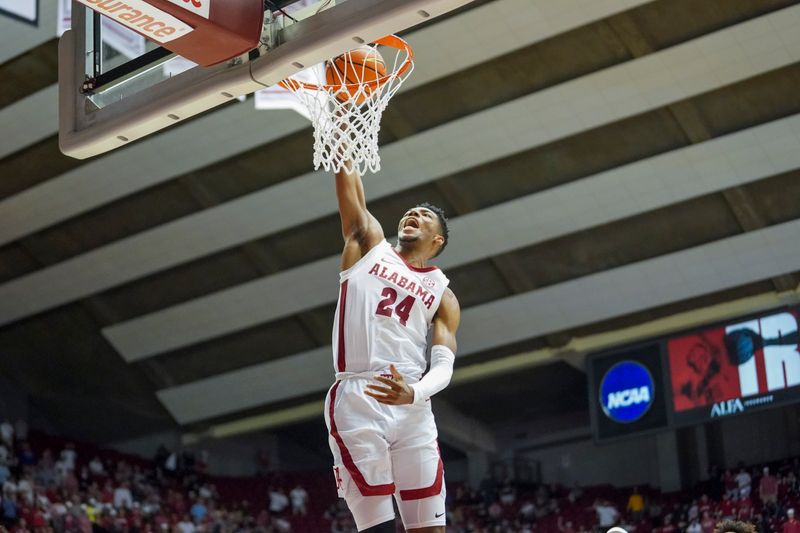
[(438, 377)]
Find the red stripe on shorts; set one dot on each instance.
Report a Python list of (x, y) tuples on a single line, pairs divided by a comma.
[(365, 488), (427, 492), (340, 361)]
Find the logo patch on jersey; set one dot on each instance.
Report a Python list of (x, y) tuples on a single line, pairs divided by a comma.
[(428, 282)]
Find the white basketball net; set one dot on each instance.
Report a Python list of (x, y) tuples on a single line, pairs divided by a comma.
[(346, 132)]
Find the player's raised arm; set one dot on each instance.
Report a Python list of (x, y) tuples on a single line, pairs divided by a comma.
[(360, 230), (446, 322)]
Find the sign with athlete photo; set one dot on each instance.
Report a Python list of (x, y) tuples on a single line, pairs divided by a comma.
[(22, 10), (734, 368)]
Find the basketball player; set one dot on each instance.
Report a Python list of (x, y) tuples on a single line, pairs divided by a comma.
[(382, 431)]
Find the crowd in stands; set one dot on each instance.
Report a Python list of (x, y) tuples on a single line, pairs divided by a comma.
[(50, 485), (764, 495)]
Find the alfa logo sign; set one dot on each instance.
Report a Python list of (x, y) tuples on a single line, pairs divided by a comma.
[(627, 391)]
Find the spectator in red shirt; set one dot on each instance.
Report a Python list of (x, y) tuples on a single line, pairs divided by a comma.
[(768, 489), (791, 525), (731, 486), (745, 509), (668, 526), (727, 507)]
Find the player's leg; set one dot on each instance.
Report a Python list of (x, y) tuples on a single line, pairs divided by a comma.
[(362, 464), (386, 527), (419, 472)]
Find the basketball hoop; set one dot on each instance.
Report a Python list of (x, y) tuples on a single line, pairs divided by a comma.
[(347, 116)]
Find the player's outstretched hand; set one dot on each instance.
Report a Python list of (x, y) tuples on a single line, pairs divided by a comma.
[(396, 391)]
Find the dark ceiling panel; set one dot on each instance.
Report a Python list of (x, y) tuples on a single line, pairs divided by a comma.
[(777, 198), (109, 223), (29, 72), (771, 96), (33, 165), (652, 234), (186, 282), (272, 341), (693, 19), (522, 396), (15, 261)]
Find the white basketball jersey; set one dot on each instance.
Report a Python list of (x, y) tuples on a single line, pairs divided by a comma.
[(385, 309)]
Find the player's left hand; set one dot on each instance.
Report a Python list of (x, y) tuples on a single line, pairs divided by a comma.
[(396, 391)]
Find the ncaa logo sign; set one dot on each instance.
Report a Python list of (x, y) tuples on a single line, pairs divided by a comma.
[(626, 392)]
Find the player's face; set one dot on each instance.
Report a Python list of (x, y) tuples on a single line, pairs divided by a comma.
[(418, 224)]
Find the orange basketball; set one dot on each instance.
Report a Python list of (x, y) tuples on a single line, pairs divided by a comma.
[(364, 66)]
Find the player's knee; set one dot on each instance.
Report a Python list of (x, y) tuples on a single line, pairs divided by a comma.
[(386, 527)]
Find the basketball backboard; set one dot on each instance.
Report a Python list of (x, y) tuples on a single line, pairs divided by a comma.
[(106, 103)]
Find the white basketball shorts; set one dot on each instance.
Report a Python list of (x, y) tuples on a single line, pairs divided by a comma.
[(381, 451)]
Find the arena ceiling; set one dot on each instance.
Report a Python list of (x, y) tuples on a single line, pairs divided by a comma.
[(606, 164)]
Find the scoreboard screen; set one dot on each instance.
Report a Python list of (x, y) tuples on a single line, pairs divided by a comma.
[(721, 370), (736, 367)]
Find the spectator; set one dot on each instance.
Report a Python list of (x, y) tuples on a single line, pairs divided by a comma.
[(299, 498), (727, 507), (668, 526), (96, 467), (69, 456), (278, 502), (198, 511), (744, 482), (694, 526), (607, 514), (791, 525), (7, 434), (185, 525), (768, 489), (575, 493), (25, 456), (730, 484), (636, 505), (565, 527), (508, 494), (123, 499)]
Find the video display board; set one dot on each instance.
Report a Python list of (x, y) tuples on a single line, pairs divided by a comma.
[(734, 368), (739, 366)]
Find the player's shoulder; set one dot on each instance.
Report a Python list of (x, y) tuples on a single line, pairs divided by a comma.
[(449, 299)]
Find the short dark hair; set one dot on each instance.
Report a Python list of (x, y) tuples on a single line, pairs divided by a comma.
[(442, 222), (734, 526)]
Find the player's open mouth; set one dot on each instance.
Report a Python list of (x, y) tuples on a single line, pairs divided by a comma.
[(411, 223)]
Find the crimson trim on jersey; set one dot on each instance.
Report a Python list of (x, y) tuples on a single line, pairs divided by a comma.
[(365, 488), (412, 267), (426, 492), (341, 362)]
